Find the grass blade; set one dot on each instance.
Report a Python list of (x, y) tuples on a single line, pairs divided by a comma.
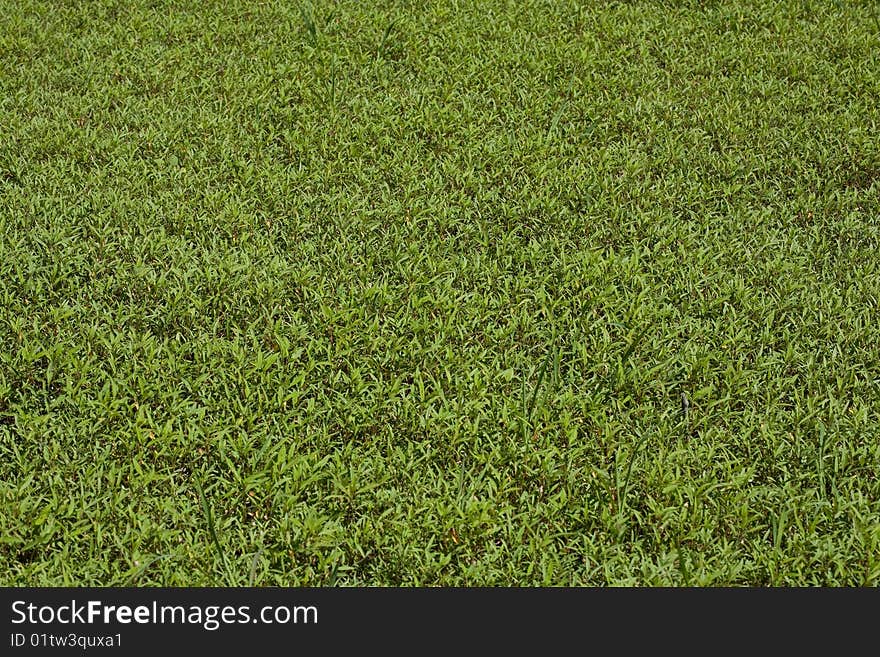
[(206, 510)]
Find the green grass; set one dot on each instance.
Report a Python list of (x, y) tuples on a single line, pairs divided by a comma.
[(446, 293)]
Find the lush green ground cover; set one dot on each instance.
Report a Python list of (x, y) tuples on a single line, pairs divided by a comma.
[(450, 293)]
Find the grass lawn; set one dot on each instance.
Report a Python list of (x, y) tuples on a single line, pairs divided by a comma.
[(439, 293)]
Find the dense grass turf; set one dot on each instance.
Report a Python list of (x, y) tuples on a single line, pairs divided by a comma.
[(454, 293)]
